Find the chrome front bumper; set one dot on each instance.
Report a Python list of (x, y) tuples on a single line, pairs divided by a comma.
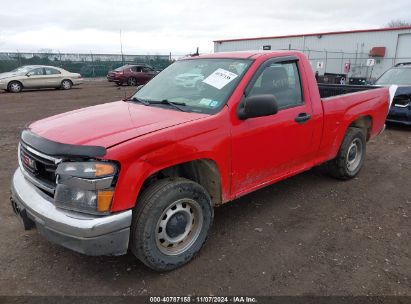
[(88, 234)]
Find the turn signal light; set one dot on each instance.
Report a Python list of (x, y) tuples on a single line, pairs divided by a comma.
[(104, 169), (104, 198)]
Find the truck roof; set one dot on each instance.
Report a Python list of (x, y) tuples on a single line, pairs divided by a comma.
[(245, 54)]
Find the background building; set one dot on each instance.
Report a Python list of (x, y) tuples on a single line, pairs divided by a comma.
[(346, 52)]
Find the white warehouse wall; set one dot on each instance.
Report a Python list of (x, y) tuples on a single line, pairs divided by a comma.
[(334, 50)]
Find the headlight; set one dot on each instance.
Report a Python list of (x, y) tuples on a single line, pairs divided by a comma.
[(85, 186), (87, 169)]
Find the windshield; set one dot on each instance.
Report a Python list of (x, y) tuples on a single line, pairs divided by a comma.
[(196, 85), (398, 76), (119, 69), (23, 69)]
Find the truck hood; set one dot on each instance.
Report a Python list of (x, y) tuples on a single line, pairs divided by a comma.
[(109, 124)]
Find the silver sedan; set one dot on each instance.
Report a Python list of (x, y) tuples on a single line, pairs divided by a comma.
[(38, 76)]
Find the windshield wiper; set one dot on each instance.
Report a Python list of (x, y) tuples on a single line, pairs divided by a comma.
[(174, 104)]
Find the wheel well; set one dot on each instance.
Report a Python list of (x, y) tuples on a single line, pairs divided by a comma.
[(201, 171), (364, 122), (132, 77), (67, 80), (8, 85)]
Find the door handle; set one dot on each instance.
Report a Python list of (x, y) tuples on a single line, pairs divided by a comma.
[(302, 118)]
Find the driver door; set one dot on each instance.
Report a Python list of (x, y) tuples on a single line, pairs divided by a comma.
[(34, 78), (267, 148)]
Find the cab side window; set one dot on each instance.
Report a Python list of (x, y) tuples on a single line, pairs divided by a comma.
[(36, 72), (51, 71), (136, 69), (281, 80)]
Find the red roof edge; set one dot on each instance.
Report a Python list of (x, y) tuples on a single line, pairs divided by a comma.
[(324, 33)]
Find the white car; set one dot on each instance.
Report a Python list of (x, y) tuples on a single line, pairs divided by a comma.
[(189, 80), (38, 76)]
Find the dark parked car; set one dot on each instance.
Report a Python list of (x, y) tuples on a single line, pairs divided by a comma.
[(400, 75), (131, 74)]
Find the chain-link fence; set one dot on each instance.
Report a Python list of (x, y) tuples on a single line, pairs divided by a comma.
[(88, 65), (359, 67)]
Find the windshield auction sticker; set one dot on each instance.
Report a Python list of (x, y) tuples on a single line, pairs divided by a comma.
[(220, 78)]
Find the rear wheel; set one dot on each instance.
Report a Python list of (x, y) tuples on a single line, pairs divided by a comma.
[(66, 84), (351, 156), (15, 87), (171, 223), (132, 81)]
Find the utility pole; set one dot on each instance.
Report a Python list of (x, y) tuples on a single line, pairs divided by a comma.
[(92, 63), (18, 57), (121, 49)]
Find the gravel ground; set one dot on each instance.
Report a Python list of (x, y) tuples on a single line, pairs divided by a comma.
[(308, 235)]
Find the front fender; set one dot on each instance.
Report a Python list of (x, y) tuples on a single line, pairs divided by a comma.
[(143, 156)]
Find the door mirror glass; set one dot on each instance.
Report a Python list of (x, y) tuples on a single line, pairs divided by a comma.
[(258, 106)]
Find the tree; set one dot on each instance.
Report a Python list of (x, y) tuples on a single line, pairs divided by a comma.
[(398, 23)]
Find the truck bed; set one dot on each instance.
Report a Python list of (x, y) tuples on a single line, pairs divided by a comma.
[(371, 101), (329, 90)]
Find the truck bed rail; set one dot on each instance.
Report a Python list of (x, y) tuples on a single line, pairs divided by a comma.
[(329, 90)]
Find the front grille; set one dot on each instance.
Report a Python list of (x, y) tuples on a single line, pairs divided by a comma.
[(402, 101), (41, 168)]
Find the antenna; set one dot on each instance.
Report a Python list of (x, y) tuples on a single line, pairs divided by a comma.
[(195, 54)]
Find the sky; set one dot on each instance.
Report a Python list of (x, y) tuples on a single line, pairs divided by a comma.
[(177, 26)]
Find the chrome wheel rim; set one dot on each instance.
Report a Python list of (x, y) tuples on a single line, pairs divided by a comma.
[(15, 87), (66, 85), (132, 81), (179, 226), (354, 155)]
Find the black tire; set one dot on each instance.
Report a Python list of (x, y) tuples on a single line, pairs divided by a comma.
[(350, 158), (150, 216), (66, 84), (14, 87), (132, 81)]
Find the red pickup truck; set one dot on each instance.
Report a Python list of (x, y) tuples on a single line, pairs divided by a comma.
[(143, 174)]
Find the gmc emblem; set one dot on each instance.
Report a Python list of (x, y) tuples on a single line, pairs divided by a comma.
[(29, 162)]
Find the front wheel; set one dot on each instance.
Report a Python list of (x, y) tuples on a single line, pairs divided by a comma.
[(132, 81), (171, 223), (15, 87), (351, 156)]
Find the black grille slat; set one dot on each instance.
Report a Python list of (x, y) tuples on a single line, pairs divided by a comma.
[(36, 157)]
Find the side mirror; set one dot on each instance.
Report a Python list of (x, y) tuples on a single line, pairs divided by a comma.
[(28, 75), (258, 106)]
